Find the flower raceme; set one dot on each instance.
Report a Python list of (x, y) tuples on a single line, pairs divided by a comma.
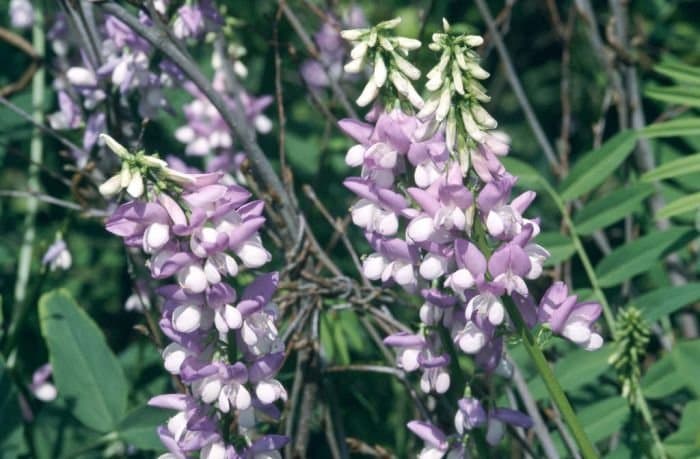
[(437, 207), (197, 235)]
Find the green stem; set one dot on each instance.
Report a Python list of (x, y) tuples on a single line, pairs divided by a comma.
[(35, 155), (583, 256), (642, 405), (643, 408), (550, 381)]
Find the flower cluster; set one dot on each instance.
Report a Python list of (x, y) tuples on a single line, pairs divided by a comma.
[(90, 88), (200, 233), (85, 81), (387, 56), (437, 208)]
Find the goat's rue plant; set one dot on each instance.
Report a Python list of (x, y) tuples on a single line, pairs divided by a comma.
[(418, 298)]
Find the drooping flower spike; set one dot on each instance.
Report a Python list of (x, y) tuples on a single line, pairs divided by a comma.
[(435, 204), (199, 233)]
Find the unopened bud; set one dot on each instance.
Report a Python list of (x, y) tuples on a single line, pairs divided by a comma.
[(111, 186), (352, 34), (115, 146), (390, 24), (135, 188)]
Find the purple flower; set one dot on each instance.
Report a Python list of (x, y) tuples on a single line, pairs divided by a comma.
[(21, 14), (57, 256), (41, 387), (569, 318), (197, 238), (499, 417)]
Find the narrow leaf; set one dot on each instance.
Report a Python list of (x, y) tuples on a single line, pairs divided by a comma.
[(667, 300), (679, 72), (560, 247), (685, 442), (676, 168), (527, 175), (597, 165), (603, 418), (674, 128), (685, 359), (683, 95), (611, 208), (680, 206), (636, 257), (661, 379), (87, 374), (578, 368)]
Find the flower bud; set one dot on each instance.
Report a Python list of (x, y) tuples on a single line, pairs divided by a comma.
[(379, 70), (471, 127), (359, 50), (457, 78), (476, 71), (406, 67), (483, 117), (390, 24), (117, 148), (111, 186), (409, 44), (369, 93), (153, 161), (80, 76), (444, 105), (354, 66), (474, 40), (352, 34), (135, 188)]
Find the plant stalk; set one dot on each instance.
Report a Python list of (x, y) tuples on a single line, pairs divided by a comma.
[(550, 381)]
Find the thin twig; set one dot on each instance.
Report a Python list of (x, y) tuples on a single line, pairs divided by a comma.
[(41, 126), (54, 201)]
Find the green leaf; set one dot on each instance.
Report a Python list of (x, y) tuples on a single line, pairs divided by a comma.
[(667, 300), (685, 359), (86, 372), (674, 128), (636, 257), (11, 429), (602, 419), (139, 428), (58, 435), (678, 71), (527, 175), (596, 165), (682, 95), (560, 247), (676, 168), (685, 443), (680, 206), (578, 368), (661, 379), (611, 208)]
